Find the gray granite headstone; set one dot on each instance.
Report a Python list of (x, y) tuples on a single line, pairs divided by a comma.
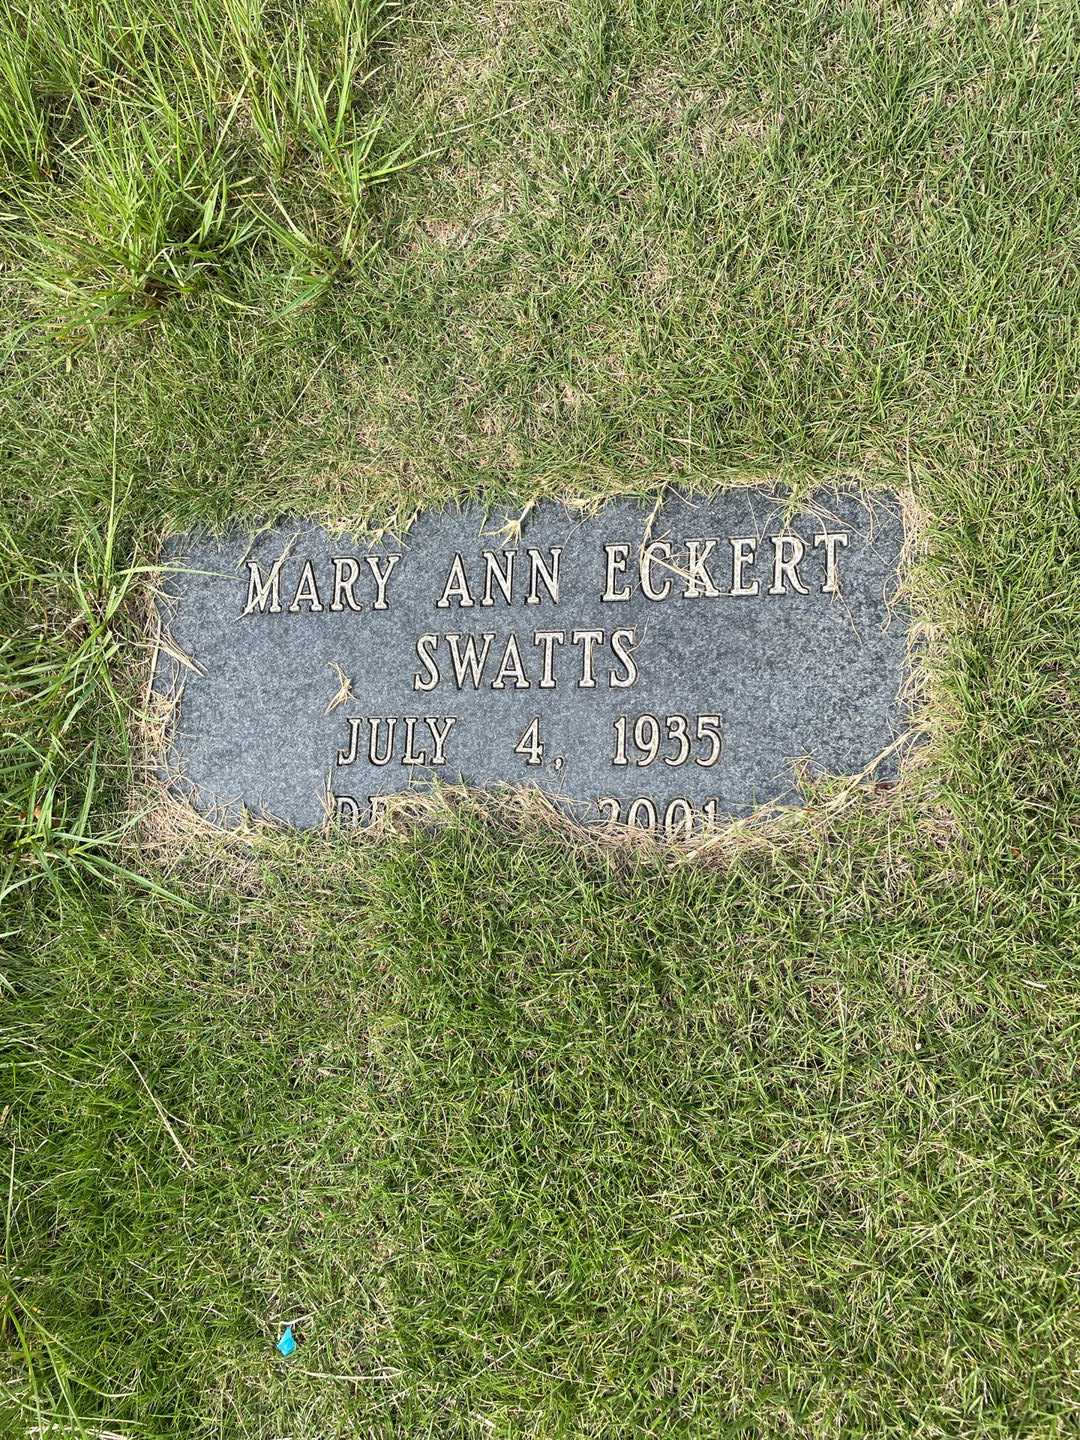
[(651, 668)]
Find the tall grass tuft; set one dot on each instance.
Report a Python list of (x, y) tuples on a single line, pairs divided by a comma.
[(64, 722), (149, 151)]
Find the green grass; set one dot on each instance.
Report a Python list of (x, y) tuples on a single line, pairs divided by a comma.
[(527, 1137)]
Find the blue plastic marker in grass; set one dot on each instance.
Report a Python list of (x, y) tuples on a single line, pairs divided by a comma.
[(287, 1344)]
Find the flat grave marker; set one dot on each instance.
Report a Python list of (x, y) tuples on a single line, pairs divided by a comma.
[(661, 669)]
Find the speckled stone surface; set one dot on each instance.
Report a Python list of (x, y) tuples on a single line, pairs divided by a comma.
[(778, 676)]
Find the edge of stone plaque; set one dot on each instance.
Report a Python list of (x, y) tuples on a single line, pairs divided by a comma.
[(176, 817)]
